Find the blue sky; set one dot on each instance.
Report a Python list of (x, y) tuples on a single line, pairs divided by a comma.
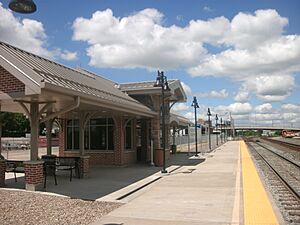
[(237, 56)]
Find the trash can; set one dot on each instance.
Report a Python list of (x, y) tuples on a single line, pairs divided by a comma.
[(173, 149)]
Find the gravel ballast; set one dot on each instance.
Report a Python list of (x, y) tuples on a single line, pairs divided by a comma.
[(20, 207)]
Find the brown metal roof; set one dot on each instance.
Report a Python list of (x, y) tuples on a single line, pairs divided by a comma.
[(42, 71)]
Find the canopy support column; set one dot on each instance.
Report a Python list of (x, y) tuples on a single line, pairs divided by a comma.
[(34, 124), (49, 125)]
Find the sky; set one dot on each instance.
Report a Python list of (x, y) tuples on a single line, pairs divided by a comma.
[(241, 57)]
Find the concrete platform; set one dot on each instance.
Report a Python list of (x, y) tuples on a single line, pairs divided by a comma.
[(205, 193)]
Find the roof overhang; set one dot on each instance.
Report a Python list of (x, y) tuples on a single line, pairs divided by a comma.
[(175, 94), (178, 120)]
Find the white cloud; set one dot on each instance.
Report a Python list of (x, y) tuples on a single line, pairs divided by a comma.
[(242, 96), (69, 56), (239, 108), (190, 115), (213, 94), (291, 117), (207, 9), (291, 108), (272, 88), (264, 108), (249, 31), (29, 35), (181, 107), (236, 108), (277, 56), (26, 34), (251, 45), (140, 40), (255, 117)]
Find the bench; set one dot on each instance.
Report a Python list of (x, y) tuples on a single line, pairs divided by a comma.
[(14, 166), (69, 164), (64, 163)]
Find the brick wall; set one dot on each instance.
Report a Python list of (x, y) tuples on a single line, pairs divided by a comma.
[(119, 140), (2, 172), (101, 158), (34, 172), (129, 157), (10, 84)]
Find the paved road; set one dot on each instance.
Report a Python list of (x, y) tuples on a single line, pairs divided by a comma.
[(25, 154)]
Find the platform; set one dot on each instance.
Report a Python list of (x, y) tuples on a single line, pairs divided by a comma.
[(222, 189)]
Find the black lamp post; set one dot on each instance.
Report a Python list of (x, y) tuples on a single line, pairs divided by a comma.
[(221, 129), (22, 6), (217, 127), (209, 141), (195, 104), (161, 81)]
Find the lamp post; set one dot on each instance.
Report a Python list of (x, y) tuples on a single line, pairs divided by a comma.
[(22, 6), (223, 125), (221, 129), (161, 81), (217, 127), (195, 105), (209, 141)]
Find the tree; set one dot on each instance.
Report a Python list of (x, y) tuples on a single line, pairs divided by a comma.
[(14, 124)]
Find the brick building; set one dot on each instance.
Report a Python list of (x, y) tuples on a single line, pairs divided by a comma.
[(100, 121)]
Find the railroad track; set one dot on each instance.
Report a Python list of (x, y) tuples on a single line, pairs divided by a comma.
[(283, 178), (284, 143)]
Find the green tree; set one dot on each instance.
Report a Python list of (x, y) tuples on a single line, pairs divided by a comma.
[(14, 124)]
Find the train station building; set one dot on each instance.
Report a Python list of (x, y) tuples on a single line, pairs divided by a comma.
[(100, 121)]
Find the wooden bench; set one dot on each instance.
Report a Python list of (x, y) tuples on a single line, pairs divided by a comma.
[(15, 166)]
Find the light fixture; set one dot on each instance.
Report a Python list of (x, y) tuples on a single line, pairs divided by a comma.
[(195, 105), (161, 81), (217, 127), (22, 6), (209, 140)]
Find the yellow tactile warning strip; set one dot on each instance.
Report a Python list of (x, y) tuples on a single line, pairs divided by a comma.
[(235, 220), (257, 207)]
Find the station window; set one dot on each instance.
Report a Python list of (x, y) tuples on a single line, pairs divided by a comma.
[(128, 135), (99, 134), (73, 134)]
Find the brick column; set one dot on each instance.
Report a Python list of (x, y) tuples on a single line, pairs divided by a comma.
[(84, 166), (34, 176), (145, 140), (119, 140), (2, 172), (0, 133)]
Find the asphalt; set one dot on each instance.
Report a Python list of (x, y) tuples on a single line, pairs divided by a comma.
[(101, 181)]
